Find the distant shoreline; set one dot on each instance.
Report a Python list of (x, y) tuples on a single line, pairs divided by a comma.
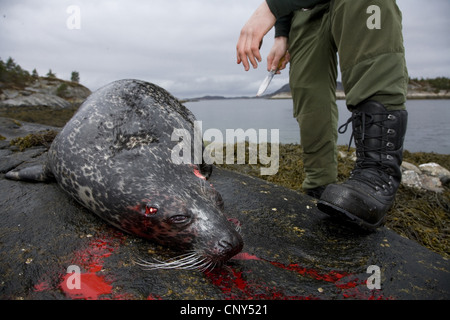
[(340, 95)]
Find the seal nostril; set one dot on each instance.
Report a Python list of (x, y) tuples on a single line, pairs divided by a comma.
[(225, 244)]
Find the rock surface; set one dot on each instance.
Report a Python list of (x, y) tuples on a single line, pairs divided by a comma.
[(292, 250), (48, 92)]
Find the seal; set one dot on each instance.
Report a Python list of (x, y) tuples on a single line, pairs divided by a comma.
[(115, 158)]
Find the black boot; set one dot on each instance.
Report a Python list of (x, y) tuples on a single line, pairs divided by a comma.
[(316, 192), (369, 193)]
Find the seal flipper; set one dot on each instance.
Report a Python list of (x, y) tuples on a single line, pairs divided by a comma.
[(38, 173)]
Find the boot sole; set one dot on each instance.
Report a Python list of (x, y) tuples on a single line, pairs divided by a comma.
[(343, 215)]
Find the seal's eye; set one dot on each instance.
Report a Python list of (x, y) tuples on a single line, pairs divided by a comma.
[(178, 219)]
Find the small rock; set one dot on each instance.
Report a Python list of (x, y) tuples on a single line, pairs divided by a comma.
[(411, 178), (410, 166), (436, 170), (431, 183)]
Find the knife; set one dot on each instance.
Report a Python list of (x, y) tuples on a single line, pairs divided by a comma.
[(265, 84)]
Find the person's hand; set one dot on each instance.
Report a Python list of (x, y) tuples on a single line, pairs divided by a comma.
[(278, 52), (252, 34)]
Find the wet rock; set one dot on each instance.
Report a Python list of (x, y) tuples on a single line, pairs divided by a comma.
[(10, 129), (11, 160)]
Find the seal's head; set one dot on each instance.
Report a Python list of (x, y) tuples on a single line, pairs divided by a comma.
[(191, 221)]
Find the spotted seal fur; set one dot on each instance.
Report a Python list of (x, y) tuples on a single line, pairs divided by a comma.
[(114, 157)]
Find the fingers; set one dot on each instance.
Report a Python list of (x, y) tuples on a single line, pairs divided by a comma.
[(278, 62), (249, 43), (247, 49), (278, 56)]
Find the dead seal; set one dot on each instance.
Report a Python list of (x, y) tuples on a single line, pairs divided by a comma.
[(115, 158)]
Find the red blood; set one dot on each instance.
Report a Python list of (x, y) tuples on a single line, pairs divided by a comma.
[(235, 286), (150, 211), (198, 174), (91, 287), (245, 256), (41, 286)]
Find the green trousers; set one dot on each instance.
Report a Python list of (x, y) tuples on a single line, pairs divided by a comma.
[(367, 37)]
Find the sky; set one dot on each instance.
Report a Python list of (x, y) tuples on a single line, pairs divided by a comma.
[(187, 47)]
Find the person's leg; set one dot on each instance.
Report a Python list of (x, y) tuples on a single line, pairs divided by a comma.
[(313, 72), (368, 35), (370, 46)]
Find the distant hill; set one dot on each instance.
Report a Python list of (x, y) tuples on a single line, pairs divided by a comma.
[(19, 88), (29, 97)]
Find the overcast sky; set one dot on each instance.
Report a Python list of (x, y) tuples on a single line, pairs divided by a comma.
[(186, 46)]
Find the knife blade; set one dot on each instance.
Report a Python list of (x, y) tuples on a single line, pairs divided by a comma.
[(265, 84)]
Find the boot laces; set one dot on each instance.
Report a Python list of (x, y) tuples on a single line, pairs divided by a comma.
[(369, 170)]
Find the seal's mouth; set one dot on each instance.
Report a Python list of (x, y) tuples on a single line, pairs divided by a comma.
[(204, 261), (196, 259)]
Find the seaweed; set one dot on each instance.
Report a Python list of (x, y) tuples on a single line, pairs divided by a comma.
[(41, 115), (41, 138)]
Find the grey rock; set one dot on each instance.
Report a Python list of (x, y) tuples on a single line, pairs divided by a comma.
[(43, 92)]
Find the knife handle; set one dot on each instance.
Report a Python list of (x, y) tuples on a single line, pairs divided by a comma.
[(280, 63)]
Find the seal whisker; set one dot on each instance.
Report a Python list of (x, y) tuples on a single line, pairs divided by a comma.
[(196, 265), (203, 264), (171, 260), (207, 265), (187, 261), (157, 262), (177, 258)]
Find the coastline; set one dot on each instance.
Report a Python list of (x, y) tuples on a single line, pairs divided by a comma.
[(413, 95)]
